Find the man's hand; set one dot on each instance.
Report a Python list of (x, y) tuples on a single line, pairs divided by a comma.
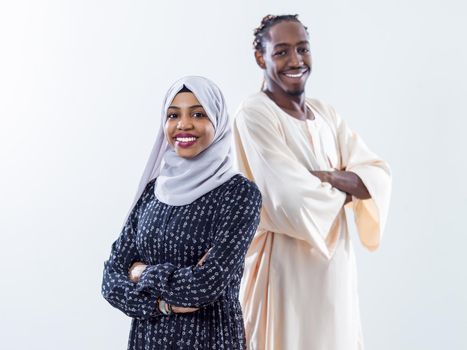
[(324, 176), (136, 270), (345, 181)]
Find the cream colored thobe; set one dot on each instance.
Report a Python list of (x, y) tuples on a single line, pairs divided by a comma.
[(299, 290)]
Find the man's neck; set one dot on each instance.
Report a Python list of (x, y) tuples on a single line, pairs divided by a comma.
[(291, 104)]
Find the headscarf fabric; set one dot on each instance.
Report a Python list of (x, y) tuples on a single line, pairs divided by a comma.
[(180, 181)]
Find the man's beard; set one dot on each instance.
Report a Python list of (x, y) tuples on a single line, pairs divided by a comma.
[(296, 92)]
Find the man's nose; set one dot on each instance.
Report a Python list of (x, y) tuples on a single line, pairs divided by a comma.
[(295, 59)]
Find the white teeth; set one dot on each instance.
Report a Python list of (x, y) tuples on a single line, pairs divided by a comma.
[(186, 139), (295, 75)]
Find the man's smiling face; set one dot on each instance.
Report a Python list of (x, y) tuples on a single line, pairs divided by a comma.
[(286, 57)]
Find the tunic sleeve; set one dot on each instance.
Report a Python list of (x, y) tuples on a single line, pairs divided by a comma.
[(197, 286), (370, 214), (295, 202), (117, 289)]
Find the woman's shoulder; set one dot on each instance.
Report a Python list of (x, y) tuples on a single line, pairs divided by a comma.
[(240, 187), (148, 191), (150, 186)]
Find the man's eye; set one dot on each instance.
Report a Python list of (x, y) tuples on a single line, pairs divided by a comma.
[(303, 50), (280, 53)]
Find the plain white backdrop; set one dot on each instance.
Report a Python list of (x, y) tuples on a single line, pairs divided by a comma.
[(81, 87)]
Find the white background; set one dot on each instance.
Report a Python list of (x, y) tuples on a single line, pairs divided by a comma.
[(81, 87)]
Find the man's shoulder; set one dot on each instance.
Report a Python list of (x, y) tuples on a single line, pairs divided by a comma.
[(259, 105), (320, 105), (256, 108), (254, 102), (326, 110), (260, 100)]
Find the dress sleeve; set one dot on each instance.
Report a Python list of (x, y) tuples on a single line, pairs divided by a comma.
[(197, 286), (370, 214), (295, 202), (117, 288)]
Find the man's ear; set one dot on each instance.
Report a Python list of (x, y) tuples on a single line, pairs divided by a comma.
[(260, 59)]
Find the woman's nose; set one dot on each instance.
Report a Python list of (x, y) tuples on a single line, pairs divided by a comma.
[(184, 124)]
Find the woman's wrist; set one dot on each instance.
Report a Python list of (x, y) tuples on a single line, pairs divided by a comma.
[(164, 307)]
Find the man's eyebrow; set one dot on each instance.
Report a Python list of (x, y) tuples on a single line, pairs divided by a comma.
[(280, 44), (286, 45)]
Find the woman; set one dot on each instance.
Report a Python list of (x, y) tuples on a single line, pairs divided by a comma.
[(177, 265)]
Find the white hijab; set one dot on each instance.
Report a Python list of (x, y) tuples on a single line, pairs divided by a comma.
[(181, 181)]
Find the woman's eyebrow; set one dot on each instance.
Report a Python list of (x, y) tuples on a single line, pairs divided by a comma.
[(191, 107)]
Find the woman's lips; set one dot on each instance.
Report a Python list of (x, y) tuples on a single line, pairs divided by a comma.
[(185, 141)]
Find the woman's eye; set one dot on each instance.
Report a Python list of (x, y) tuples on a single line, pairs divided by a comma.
[(198, 115), (171, 116)]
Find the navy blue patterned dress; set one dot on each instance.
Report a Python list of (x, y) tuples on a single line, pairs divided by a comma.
[(171, 240)]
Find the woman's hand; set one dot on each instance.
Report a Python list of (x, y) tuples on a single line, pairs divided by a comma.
[(175, 309), (180, 309), (203, 259), (136, 270), (183, 310)]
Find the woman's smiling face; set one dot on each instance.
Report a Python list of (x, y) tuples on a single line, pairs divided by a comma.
[(188, 128)]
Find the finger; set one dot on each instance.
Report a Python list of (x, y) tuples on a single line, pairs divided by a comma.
[(134, 276), (183, 310), (132, 266), (203, 259)]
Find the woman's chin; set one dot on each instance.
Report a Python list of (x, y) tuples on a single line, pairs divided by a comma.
[(185, 153)]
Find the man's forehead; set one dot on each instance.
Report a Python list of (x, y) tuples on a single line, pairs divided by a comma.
[(287, 33), (287, 44)]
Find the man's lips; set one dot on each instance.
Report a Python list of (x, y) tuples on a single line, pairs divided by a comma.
[(296, 73)]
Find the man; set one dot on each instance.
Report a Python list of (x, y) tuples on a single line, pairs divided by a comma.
[(299, 290)]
